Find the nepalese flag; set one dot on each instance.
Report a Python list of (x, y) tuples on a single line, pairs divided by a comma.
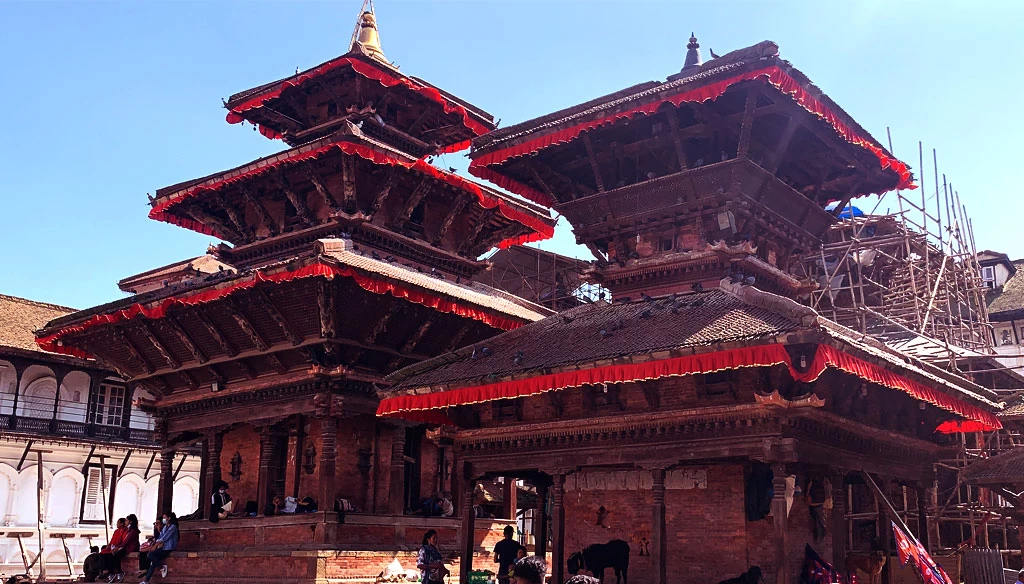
[(910, 549)]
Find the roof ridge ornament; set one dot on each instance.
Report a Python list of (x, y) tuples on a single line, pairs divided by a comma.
[(692, 54), (365, 37)]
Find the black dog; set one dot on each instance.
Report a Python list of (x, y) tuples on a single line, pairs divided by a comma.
[(596, 558), (751, 576)]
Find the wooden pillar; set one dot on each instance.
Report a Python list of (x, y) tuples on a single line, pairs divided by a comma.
[(396, 487), (165, 490), (212, 446), (263, 477), (58, 375), (557, 568), (781, 525), (19, 370), (508, 496), (838, 527), (468, 531), (922, 517), (95, 379), (658, 533), (540, 522), (328, 462), (204, 479), (126, 411), (885, 535)]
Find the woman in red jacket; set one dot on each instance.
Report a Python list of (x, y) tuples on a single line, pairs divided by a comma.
[(128, 543)]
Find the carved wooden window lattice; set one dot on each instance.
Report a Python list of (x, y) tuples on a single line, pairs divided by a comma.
[(716, 385), (507, 409)]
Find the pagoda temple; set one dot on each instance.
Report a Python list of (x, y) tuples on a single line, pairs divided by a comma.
[(706, 417), (345, 257)]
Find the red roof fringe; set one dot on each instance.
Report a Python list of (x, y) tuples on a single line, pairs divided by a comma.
[(758, 356), (541, 229), (368, 71), (774, 75), (51, 342)]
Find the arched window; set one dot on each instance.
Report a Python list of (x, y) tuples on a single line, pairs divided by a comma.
[(130, 488), (25, 508), (186, 496), (65, 498)]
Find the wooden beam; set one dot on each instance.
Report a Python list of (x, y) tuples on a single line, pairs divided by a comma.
[(748, 122), (541, 182), (457, 206), (390, 178), (348, 183), (147, 331), (236, 220), (485, 218), (416, 337), (124, 463), (181, 463), (253, 200), (224, 359), (672, 114), (456, 341), (276, 363), (133, 349), (149, 467), (201, 216), (184, 339), (783, 145), (414, 199), (297, 201), (320, 185), (325, 306), (28, 447), (211, 329), (271, 309), (593, 162), (233, 310), (191, 379)]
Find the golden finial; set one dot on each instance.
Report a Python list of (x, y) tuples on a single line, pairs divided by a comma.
[(366, 35)]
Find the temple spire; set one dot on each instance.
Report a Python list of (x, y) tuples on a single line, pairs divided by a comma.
[(692, 53), (366, 38)]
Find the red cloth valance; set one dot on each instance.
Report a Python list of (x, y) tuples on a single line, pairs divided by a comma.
[(368, 71), (371, 283), (759, 356), (541, 230), (774, 75)]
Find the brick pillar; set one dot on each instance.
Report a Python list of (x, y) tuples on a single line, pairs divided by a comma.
[(468, 531), (263, 477), (328, 462), (540, 522), (557, 568), (212, 446), (922, 516), (838, 528), (165, 489), (781, 527), (396, 488), (658, 526)]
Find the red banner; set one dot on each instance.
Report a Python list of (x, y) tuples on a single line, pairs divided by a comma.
[(910, 549)]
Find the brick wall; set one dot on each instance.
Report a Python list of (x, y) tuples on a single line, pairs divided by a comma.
[(245, 441)]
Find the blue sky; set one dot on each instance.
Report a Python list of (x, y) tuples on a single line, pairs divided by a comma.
[(106, 101)]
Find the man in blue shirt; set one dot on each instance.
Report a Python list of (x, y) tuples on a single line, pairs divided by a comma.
[(163, 546)]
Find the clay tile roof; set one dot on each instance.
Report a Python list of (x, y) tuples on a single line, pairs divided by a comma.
[(574, 336), (1003, 468), (1009, 299), (471, 292), (19, 317)]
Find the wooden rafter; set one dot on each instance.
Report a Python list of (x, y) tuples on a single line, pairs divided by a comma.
[(593, 162), (275, 314), (276, 363), (183, 337), (191, 379), (542, 183), (214, 332), (149, 332), (417, 336), (231, 307)]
